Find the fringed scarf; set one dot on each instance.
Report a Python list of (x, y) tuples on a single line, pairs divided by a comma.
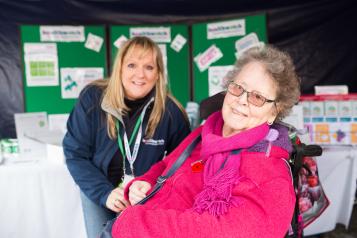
[(216, 196)]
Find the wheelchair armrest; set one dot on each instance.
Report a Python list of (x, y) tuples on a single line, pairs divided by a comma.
[(311, 150)]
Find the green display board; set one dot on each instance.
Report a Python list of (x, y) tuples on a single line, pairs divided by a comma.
[(209, 39), (48, 52), (177, 60)]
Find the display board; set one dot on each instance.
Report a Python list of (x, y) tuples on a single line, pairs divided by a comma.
[(58, 61), (217, 45), (173, 42)]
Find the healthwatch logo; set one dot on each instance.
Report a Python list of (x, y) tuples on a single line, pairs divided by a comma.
[(226, 29), (153, 142)]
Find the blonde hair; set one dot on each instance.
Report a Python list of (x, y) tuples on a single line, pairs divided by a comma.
[(114, 93)]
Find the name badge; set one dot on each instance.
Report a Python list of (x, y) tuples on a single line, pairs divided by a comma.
[(127, 179)]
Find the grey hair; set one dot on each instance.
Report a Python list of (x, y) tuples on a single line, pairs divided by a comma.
[(281, 69)]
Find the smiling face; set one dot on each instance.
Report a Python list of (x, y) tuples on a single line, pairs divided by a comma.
[(238, 114), (139, 73)]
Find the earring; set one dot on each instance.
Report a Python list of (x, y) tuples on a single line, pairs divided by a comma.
[(269, 123)]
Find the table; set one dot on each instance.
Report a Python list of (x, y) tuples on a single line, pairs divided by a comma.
[(39, 200), (338, 174)]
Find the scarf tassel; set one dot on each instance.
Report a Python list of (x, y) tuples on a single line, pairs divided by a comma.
[(216, 197)]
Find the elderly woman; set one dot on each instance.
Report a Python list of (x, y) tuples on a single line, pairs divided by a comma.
[(236, 182)]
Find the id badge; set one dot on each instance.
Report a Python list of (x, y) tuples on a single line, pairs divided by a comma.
[(127, 179)]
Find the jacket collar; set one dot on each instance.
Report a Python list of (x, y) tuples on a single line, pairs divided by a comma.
[(112, 111), (115, 112)]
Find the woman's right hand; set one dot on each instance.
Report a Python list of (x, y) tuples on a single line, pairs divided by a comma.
[(116, 201), (137, 191)]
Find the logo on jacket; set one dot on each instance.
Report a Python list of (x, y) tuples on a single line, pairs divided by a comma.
[(153, 142)]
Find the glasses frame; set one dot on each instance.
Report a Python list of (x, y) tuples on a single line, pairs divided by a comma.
[(248, 95)]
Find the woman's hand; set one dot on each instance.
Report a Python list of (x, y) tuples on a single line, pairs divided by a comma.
[(137, 191), (116, 201)]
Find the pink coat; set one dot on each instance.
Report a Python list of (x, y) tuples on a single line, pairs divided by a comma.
[(265, 198)]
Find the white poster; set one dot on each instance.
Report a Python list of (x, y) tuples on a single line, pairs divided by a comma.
[(216, 76), (247, 42), (58, 122), (41, 64), (331, 89), (205, 59), (157, 34), (62, 33), (94, 42), (120, 41), (178, 42), (73, 80), (28, 126), (226, 29)]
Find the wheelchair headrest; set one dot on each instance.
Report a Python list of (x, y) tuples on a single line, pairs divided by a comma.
[(211, 105)]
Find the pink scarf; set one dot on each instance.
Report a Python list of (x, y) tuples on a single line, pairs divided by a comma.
[(216, 196)]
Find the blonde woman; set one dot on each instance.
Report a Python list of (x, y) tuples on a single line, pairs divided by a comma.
[(119, 128)]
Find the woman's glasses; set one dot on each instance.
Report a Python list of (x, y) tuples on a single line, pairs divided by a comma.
[(254, 98)]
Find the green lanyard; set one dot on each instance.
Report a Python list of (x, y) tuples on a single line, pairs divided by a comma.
[(124, 144), (135, 131)]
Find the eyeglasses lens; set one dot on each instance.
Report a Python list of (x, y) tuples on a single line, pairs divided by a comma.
[(253, 98)]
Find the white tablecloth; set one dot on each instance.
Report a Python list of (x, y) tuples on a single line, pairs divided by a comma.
[(39, 200), (338, 174)]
